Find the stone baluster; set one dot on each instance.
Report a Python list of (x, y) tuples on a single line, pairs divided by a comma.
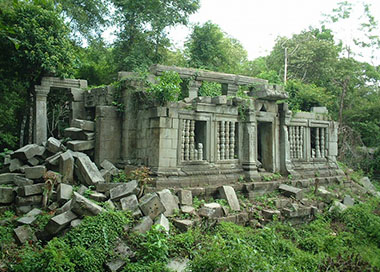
[(297, 142), (322, 142), (326, 142), (232, 140), (218, 140), (301, 141), (317, 146), (200, 151), (192, 140), (187, 140), (292, 145), (227, 127), (222, 140), (195, 154), (183, 140)]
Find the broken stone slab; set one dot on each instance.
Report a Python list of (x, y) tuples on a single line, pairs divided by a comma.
[(169, 202), (291, 191), (82, 189), (83, 124), (28, 190), (15, 165), (33, 161), (81, 145), (185, 197), (228, 193), (28, 200), (9, 178), (326, 195), (7, 195), (64, 193), (54, 159), (99, 197), (115, 265), (22, 181), (144, 225), (163, 221), (348, 201), (35, 172), (107, 165), (270, 214), (64, 208), (151, 205), (26, 152), (75, 223), (84, 207), (183, 224), (53, 206), (53, 145), (123, 190), (59, 222), (188, 209), (110, 204), (26, 220), (23, 209), (366, 182), (107, 186), (24, 234), (129, 203), (88, 171), (211, 210), (75, 133), (337, 206), (66, 166)]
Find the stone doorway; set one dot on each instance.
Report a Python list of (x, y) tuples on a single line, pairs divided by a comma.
[(265, 146)]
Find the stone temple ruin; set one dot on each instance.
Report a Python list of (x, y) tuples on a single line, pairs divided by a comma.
[(200, 140)]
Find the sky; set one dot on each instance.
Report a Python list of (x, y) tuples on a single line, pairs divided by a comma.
[(257, 24)]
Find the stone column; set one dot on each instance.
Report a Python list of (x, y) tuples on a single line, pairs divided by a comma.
[(40, 114), (194, 86), (229, 89)]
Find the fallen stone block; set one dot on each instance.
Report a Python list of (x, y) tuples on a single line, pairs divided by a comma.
[(291, 191), (88, 171), (8, 178), (228, 193), (26, 152), (144, 225), (348, 201), (84, 207), (23, 209), (366, 182), (270, 214), (211, 210), (54, 159), (107, 186), (15, 165), (129, 203), (183, 224), (66, 166), (337, 206), (29, 200), (99, 197), (83, 124), (163, 221), (242, 218), (106, 174), (7, 195), (30, 217), (80, 145), (123, 190), (75, 133), (24, 234), (22, 181), (326, 195), (110, 205), (53, 206), (185, 197), (115, 265), (107, 165), (35, 172), (53, 145), (33, 161), (122, 250), (75, 223), (64, 193), (188, 209), (66, 207), (169, 202), (28, 190), (59, 222), (151, 205)]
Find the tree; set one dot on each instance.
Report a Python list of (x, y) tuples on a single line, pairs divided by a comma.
[(210, 48), (34, 41), (142, 39)]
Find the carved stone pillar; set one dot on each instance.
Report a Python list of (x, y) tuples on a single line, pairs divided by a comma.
[(249, 145), (194, 86), (40, 114)]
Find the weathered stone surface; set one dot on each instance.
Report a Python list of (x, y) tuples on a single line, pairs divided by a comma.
[(291, 191), (228, 193), (83, 206), (366, 182), (110, 204), (75, 223), (35, 172), (80, 145), (75, 133), (23, 209), (24, 234), (348, 201), (337, 206), (54, 159), (326, 195), (187, 209), (281, 203), (115, 265), (29, 190), (53, 206), (183, 224), (53, 145), (59, 222), (270, 214), (122, 250), (66, 166), (110, 167), (28, 200), (169, 201), (211, 210), (34, 212), (185, 197), (107, 186), (129, 203), (163, 221), (33, 161), (64, 193), (144, 225), (151, 205), (88, 171), (178, 264), (15, 165), (82, 189), (106, 174), (83, 124), (8, 178), (124, 190), (26, 152), (7, 195), (26, 220), (22, 181), (66, 207), (99, 197)]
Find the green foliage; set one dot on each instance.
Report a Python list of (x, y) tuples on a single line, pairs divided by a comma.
[(167, 88), (210, 89)]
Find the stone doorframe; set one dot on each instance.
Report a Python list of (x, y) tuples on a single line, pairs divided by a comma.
[(40, 103)]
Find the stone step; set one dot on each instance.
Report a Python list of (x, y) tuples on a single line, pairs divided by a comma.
[(78, 134), (80, 145), (83, 124)]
